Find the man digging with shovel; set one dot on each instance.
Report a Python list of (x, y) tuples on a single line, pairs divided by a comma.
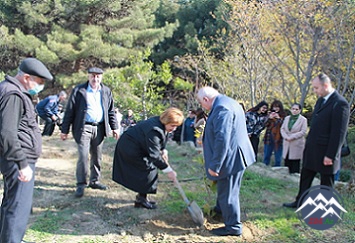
[(227, 152)]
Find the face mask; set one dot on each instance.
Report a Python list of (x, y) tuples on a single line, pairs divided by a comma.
[(38, 88)]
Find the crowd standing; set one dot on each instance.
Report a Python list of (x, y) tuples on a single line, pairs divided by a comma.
[(228, 136)]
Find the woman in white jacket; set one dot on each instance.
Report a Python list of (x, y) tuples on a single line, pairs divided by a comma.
[(293, 131)]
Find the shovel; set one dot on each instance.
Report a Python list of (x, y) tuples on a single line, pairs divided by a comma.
[(194, 210)]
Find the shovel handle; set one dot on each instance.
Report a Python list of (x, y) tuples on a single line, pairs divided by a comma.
[(177, 184)]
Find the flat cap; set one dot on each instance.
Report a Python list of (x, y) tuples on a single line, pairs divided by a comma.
[(33, 66), (95, 70)]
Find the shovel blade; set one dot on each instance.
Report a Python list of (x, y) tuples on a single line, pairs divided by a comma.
[(196, 213)]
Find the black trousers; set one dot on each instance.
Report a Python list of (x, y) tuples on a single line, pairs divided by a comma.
[(293, 165), (48, 127), (16, 205), (307, 177), (255, 143)]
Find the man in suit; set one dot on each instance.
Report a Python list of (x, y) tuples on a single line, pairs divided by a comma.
[(227, 152), (326, 135)]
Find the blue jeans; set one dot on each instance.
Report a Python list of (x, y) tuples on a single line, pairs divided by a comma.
[(268, 149)]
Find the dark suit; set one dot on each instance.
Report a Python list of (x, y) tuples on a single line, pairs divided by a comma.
[(326, 135), (227, 151)]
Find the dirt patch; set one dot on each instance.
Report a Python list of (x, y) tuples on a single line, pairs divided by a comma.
[(107, 216)]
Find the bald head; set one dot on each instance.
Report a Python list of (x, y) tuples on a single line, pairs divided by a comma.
[(322, 85)]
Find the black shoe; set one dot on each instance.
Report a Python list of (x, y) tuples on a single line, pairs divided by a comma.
[(79, 191), (98, 186), (142, 202), (290, 205), (140, 198), (222, 231)]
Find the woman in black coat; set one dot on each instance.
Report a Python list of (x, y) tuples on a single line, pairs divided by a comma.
[(140, 152)]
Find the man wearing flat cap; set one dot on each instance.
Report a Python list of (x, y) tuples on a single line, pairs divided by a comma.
[(20, 146), (91, 113)]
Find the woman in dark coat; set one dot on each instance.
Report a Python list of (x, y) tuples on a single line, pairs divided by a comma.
[(140, 152)]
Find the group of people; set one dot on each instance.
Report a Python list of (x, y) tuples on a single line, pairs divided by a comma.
[(141, 150), (192, 128), (284, 135)]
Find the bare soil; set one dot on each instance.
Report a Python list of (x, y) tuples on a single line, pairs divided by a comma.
[(106, 216), (109, 216)]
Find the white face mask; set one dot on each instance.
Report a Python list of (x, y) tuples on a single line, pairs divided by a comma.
[(35, 90)]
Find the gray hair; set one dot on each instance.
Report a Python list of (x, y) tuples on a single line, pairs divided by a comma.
[(22, 73), (208, 92), (63, 94)]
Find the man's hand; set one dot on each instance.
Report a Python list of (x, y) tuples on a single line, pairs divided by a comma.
[(25, 174), (63, 136), (327, 161), (116, 134), (212, 173)]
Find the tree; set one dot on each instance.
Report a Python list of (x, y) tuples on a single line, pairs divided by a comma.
[(302, 35), (70, 36), (198, 20)]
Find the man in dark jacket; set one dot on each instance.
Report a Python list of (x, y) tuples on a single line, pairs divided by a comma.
[(326, 136), (91, 113), (47, 109), (20, 146)]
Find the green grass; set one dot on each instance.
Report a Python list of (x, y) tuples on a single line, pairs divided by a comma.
[(261, 198)]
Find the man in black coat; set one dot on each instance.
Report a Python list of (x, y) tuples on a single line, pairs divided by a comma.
[(20, 146), (326, 135), (91, 113)]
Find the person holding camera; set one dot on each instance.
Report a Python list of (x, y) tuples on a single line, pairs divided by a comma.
[(273, 138)]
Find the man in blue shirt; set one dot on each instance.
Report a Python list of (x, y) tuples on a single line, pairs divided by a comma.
[(47, 109), (91, 113)]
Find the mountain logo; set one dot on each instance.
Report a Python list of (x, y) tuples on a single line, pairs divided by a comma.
[(321, 207)]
